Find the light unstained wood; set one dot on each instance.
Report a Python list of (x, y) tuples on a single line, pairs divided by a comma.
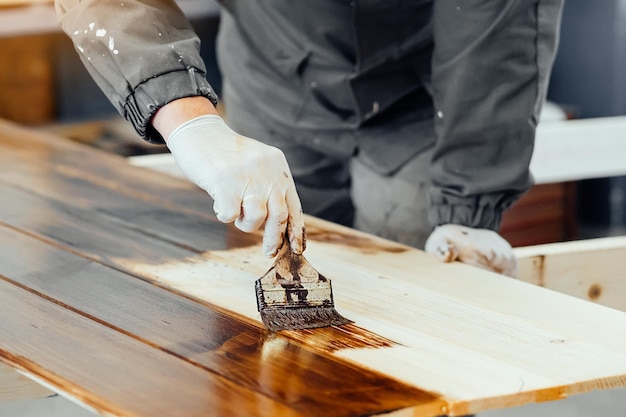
[(477, 339), (14, 386), (593, 269)]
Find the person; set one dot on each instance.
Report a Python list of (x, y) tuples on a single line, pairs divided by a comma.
[(413, 120)]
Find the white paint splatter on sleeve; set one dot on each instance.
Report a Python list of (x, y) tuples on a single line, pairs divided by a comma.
[(112, 46)]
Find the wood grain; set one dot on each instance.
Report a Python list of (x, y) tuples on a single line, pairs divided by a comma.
[(592, 269), (15, 386), (83, 226), (219, 343), (86, 359)]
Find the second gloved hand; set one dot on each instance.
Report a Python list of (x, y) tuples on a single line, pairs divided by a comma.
[(250, 182), (478, 247)]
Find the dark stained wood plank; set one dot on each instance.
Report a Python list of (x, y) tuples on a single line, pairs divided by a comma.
[(81, 230), (49, 151), (244, 354), (42, 173), (110, 372)]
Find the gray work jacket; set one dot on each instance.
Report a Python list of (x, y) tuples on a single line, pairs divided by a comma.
[(386, 78)]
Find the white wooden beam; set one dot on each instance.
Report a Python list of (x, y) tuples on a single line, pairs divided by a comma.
[(573, 150), (568, 150)]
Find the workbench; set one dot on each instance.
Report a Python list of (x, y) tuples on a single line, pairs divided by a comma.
[(121, 291)]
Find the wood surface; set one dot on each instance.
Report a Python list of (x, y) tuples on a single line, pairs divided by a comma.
[(15, 386), (120, 289), (592, 269)]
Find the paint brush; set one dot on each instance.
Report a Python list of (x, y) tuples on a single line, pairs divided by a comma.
[(293, 295)]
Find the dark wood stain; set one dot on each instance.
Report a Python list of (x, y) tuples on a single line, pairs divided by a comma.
[(331, 339), (105, 331), (187, 228), (363, 243), (111, 372), (291, 369), (71, 314)]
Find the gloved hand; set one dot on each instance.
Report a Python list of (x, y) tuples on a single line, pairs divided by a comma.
[(478, 247), (250, 182)]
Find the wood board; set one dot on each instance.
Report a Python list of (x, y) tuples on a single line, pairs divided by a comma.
[(590, 269), (15, 386), (118, 279)]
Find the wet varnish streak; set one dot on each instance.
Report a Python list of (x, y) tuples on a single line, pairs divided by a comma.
[(299, 368), (291, 364)]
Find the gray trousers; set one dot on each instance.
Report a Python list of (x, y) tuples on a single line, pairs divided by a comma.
[(348, 192)]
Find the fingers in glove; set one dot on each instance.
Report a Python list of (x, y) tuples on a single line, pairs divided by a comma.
[(227, 206), (498, 263), (276, 223), (253, 214), (442, 249), (501, 265), (297, 234)]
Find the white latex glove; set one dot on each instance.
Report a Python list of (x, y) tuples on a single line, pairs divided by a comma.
[(478, 247), (250, 182)]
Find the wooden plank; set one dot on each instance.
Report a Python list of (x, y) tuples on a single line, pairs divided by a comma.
[(573, 150), (44, 153), (15, 386), (26, 79), (495, 350), (593, 269), (463, 333), (110, 372), (170, 210), (209, 339)]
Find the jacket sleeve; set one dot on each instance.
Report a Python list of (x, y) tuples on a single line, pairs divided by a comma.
[(142, 54), (490, 69)]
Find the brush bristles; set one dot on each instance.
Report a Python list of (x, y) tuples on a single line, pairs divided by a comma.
[(301, 318)]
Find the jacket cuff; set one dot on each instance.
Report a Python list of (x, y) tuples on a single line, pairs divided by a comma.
[(470, 215), (154, 93)]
